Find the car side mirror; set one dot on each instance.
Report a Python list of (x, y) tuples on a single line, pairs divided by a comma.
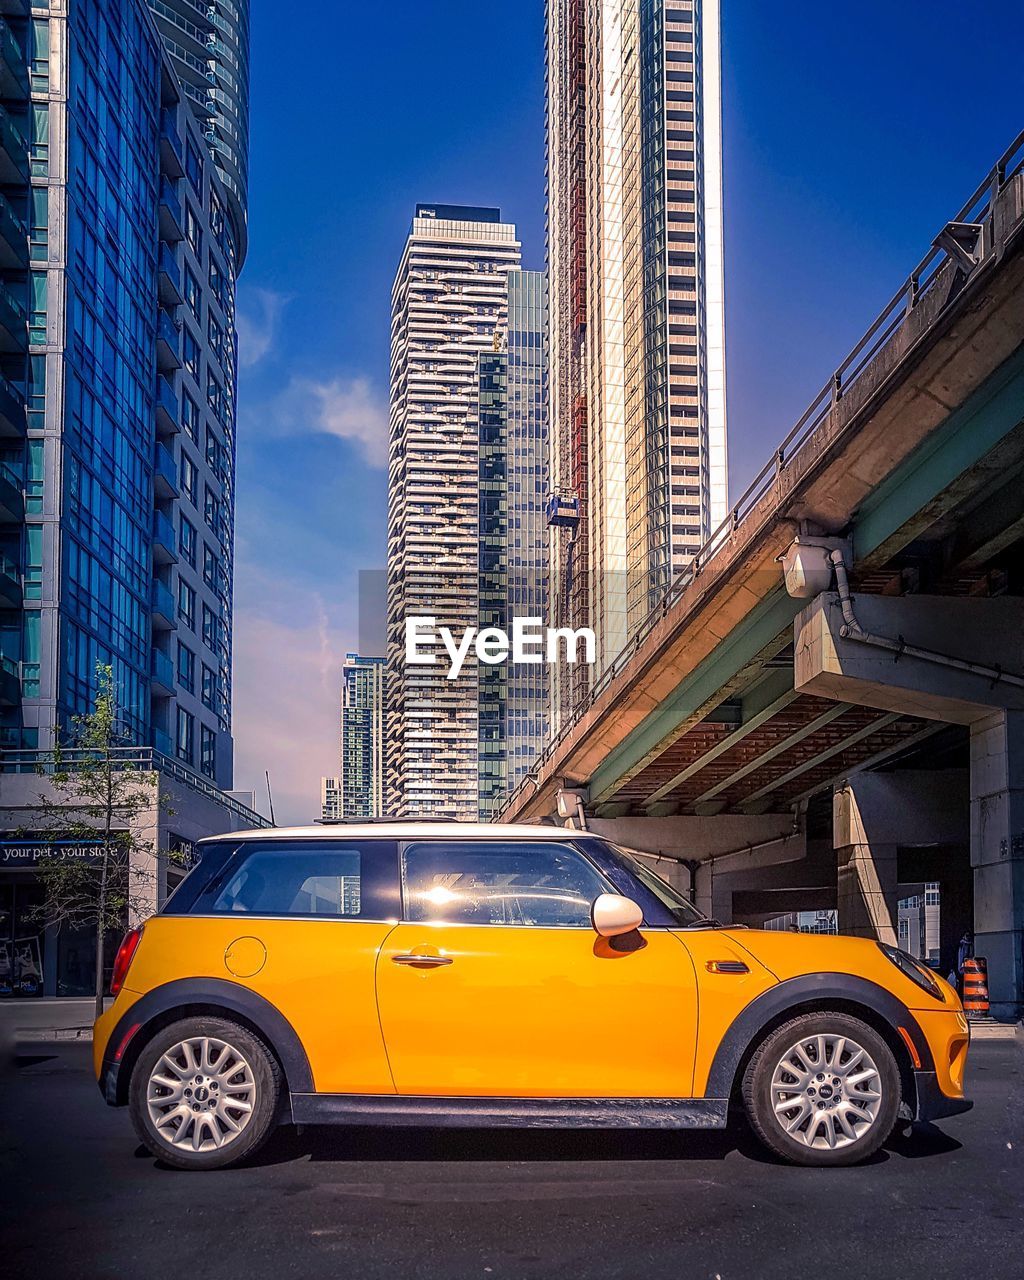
[(612, 914)]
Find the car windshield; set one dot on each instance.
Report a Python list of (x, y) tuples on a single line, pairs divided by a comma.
[(682, 909)]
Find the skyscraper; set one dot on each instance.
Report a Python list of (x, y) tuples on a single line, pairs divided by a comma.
[(360, 783), (513, 697), (448, 304), (118, 261), (209, 46), (125, 343), (636, 296)]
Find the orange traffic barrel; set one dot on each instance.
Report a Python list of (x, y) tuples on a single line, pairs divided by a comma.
[(976, 985)]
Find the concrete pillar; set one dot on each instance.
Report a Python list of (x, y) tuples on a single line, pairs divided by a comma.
[(867, 887), (997, 856), (702, 884)]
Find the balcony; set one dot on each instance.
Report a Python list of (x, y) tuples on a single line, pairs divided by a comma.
[(12, 411), (13, 238), (162, 609), (12, 496), (170, 213), (13, 151), (165, 473), (13, 322), (10, 683), (165, 545), (13, 69), (168, 277), (161, 674), (10, 584), (166, 407), (168, 343), (170, 146)]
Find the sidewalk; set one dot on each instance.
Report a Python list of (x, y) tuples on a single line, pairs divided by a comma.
[(48, 1019)]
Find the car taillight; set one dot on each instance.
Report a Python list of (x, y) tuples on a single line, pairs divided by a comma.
[(123, 959)]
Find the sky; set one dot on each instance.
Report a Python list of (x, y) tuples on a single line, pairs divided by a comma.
[(852, 133)]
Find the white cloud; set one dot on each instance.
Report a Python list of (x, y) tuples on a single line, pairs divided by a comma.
[(258, 313), (346, 408), (287, 684)]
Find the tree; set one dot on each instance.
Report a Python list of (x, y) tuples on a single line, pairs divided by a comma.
[(99, 870)]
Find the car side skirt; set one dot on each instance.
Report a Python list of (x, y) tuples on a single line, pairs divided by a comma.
[(516, 1113)]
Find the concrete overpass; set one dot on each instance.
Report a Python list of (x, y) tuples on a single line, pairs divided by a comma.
[(781, 750)]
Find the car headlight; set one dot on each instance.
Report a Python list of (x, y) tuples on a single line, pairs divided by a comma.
[(913, 969)]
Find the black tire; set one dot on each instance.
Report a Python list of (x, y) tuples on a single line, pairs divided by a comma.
[(261, 1085), (770, 1127)]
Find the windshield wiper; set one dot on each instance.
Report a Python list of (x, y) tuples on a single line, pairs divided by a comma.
[(709, 923)]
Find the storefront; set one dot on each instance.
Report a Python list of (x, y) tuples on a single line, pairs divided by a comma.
[(36, 959)]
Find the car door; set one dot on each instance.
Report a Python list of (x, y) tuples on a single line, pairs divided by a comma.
[(496, 985), (300, 922)]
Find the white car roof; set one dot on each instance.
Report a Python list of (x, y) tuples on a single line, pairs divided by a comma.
[(404, 831)]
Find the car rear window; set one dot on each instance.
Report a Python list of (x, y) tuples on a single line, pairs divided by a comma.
[(334, 878)]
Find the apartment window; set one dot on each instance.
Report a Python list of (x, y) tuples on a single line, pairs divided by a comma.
[(39, 148), (186, 668), (187, 604), (184, 746), (190, 352), (37, 308), (39, 224), (190, 416), (213, 452), (193, 231), (216, 336), (194, 166), (187, 540), (211, 509), (188, 477), (193, 296), (211, 628), (211, 568), (216, 280), (209, 689), (207, 751), (214, 394), (39, 55)]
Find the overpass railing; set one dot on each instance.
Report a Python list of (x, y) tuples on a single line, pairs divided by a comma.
[(916, 285)]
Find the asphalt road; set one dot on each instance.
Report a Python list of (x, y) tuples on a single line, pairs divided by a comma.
[(80, 1198)]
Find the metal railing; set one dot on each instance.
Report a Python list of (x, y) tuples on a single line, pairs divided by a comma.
[(141, 759), (910, 293)]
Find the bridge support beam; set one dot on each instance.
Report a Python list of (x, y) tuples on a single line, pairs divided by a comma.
[(997, 856), (983, 636)]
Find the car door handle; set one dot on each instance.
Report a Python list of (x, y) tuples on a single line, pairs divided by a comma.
[(421, 961)]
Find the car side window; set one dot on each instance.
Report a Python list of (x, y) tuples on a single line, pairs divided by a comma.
[(339, 878), (545, 884)]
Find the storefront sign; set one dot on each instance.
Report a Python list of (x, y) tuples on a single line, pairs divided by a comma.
[(17, 854)]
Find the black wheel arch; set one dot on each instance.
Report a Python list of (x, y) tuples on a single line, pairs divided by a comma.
[(811, 993), (193, 997)]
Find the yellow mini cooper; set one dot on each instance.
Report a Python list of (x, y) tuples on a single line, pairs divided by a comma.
[(480, 975)]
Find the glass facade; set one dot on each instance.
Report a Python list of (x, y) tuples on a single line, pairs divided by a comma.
[(118, 531), (637, 345), (208, 42), (513, 478)]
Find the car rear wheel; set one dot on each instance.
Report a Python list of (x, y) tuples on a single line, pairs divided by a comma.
[(203, 1093), (822, 1089)]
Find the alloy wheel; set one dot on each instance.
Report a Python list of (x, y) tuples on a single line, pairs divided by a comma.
[(826, 1091), (201, 1094)]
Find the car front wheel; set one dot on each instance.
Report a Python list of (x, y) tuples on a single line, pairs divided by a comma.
[(204, 1093), (822, 1089)]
